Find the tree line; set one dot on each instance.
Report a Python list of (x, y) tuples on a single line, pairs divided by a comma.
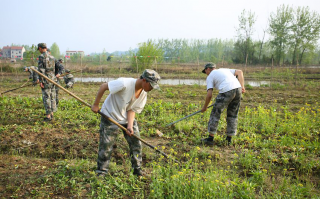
[(293, 32), (293, 40)]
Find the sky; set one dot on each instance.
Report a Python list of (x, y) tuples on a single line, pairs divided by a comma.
[(118, 25)]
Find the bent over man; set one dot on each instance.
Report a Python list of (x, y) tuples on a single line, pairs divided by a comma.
[(127, 97), (230, 89), (68, 79), (32, 75)]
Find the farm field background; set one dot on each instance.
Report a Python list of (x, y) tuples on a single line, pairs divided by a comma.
[(276, 153)]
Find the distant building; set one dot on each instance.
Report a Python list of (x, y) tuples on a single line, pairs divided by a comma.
[(71, 53), (13, 52)]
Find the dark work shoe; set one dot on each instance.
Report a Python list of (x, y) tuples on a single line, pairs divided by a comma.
[(101, 175), (207, 141), (47, 119), (137, 172), (228, 138)]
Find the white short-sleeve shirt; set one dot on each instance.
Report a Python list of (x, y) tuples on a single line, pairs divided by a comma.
[(223, 80), (122, 99)]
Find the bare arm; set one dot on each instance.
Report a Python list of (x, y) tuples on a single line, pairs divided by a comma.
[(102, 89), (239, 73), (130, 115), (208, 99)]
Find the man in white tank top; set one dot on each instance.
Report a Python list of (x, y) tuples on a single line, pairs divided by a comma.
[(230, 83), (127, 97)]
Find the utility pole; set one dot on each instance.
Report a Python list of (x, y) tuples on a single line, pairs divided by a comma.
[(137, 63), (80, 60)]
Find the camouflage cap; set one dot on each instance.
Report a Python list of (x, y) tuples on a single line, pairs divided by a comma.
[(153, 77), (60, 60), (25, 68), (208, 65), (48, 50), (67, 71), (42, 45)]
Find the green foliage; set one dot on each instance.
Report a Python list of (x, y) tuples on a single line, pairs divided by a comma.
[(294, 32), (31, 55), (305, 32), (244, 48), (148, 54), (55, 51)]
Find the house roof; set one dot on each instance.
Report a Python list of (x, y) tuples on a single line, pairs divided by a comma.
[(13, 47), (16, 48)]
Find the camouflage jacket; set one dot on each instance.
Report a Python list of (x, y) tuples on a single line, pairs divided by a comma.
[(46, 66), (68, 78), (59, 69)]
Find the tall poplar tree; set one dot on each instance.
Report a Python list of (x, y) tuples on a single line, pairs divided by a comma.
[(279, 29), (305, 32), (243, 45), (55, 50)]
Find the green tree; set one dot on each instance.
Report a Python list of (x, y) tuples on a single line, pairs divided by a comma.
[(244, 46), (279, 29), (55, 51), (148, 53), (31, 54), (305, 32)]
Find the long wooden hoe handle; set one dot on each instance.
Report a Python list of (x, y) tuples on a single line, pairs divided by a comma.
[(186, 116), (64, 74), (108, 118), (17, 88)]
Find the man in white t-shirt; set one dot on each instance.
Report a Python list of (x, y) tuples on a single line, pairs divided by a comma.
[(230, 83), (127, 97)]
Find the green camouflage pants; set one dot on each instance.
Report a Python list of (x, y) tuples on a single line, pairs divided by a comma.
[(108, 134), (231, 101), (49, 99), (57, 93)]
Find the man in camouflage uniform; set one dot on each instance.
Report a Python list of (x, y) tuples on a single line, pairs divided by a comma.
[(68, 79), (230, 89), (46, 66), (59, 69), (127, 97)]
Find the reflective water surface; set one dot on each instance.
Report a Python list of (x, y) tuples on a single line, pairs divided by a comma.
[(202, 82)]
